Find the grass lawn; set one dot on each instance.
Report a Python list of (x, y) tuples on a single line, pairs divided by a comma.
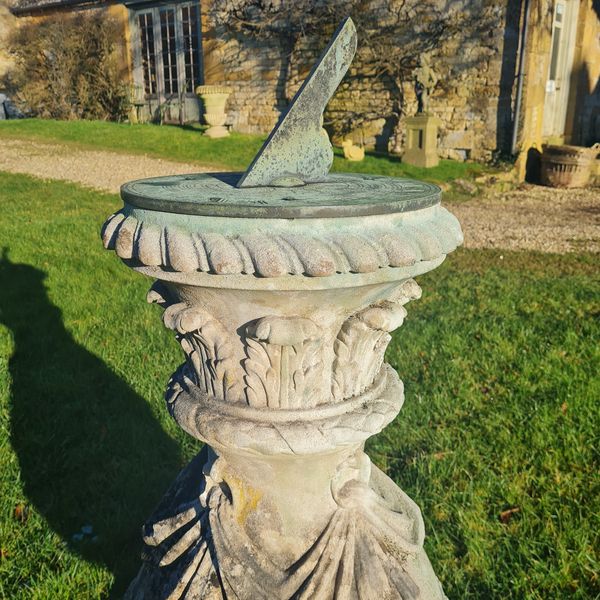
[(186, 144), (499, 358)]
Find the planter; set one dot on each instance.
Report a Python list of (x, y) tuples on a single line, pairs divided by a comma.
[(567, 166), (214, 99)]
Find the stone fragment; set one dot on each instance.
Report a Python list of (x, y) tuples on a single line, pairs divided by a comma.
[(352, 152)]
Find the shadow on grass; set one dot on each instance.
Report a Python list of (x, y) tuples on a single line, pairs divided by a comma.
[(90, 451)]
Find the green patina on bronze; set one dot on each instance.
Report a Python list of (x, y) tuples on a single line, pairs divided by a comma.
[(289, 177), (341, 195), (298, 149)]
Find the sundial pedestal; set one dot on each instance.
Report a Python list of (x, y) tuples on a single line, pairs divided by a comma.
[(282, 285), (283, 301), (421, 141)]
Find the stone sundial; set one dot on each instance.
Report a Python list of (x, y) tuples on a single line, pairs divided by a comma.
[(282, 285)]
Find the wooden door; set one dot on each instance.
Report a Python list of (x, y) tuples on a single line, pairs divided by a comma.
[(167, 60), (564, 29)]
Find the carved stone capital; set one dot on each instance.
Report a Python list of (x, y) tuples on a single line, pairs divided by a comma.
[(264, 395)]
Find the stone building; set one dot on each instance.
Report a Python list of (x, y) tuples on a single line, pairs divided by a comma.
[(7, 22), (528, 74)]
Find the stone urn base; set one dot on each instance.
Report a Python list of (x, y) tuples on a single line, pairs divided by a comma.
[(203, 542)]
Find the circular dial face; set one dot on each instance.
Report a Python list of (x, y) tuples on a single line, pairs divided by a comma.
[(340, 195)]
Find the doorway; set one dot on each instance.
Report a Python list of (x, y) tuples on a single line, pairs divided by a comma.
[(167, 60), (564, 30)]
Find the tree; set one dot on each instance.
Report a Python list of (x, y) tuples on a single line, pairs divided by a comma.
[(66, 68)]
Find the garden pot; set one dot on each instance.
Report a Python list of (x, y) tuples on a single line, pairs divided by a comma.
[(567, 166)]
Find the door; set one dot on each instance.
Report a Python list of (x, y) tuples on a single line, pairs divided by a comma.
[(167, 61), (564, 30)]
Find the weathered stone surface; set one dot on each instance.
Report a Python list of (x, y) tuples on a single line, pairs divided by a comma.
[(284, 379), (462, 139), (198, 545), (352, 152)]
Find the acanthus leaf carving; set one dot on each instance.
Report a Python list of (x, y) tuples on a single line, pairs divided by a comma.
[(206, 343), (362, 340), (260, 378), (284, 363)]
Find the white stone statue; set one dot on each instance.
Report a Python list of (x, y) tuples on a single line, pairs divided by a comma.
[(283, 285)]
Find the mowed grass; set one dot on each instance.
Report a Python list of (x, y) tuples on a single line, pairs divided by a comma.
[(499, 359), (187, 144)]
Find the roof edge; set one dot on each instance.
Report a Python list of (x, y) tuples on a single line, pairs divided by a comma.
[(20, 11)]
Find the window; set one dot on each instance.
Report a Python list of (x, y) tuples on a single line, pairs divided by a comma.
[(557, 28), (169, 54), (169, 50), (148, 57), (191, 43)]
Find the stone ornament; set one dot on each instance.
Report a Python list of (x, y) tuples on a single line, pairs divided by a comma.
[(283, 300), (426, 79), (352, 152), (270, 405), (214, 99)]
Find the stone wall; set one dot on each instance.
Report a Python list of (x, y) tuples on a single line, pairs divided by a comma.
[(7, 23), (472, 99), (253, 71), (475, 97)]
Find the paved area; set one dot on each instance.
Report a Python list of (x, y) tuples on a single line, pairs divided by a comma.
[(528, 218)]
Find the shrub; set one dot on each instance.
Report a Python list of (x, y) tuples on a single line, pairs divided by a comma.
[(67, 67)]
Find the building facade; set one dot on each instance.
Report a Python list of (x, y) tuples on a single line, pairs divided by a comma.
[(529, 77)]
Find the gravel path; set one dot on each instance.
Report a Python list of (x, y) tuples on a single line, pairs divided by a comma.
[(528, 218), (533, 217), (94, 168)]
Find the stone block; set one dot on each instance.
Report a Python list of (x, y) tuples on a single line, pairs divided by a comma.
[(421, 141), (463, 139)]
